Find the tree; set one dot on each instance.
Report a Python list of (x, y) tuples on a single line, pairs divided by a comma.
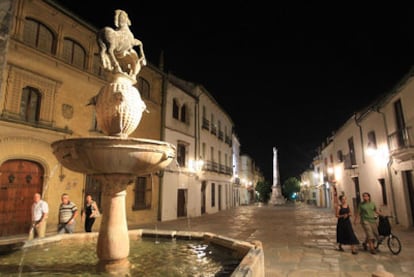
[(291, 187), (264, 189)]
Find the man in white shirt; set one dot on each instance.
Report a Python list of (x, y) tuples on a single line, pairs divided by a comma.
[(40, 210)]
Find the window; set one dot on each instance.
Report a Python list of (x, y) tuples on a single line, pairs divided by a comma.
[(31, 97), (74, 53), (175, 109), (340, 156), (142, 193), (219, 157), (204, 112), (203, 150), (384, 191), (213, 195), (144, 88), (372, 140), (181, 154), (30, 104), (39, 36), (352, 150), (184, 113)]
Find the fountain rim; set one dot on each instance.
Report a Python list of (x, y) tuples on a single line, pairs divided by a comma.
[(140, 141), (68, 151), (251, 252)]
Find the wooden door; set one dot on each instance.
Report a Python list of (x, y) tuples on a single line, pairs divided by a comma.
[(19, 181), (181, 203)]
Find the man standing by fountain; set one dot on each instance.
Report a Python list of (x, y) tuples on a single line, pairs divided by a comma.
[(40, 210), (68, 211)]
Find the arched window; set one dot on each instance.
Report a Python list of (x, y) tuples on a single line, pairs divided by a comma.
[(30, 104), (39, 36), (74, 53), (144, 88), (184, 113), (175, 110)]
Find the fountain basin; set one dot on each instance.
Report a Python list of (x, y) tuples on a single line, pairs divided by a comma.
[(114, 162), (230, 257), (113, 155)]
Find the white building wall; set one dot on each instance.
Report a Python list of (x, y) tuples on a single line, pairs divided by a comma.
[(176, 131), (212, 175), (387, 163)]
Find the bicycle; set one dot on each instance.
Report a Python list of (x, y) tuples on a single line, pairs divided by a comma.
[(384, 230)]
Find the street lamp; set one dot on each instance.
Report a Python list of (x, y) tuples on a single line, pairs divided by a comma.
[(195, 166)]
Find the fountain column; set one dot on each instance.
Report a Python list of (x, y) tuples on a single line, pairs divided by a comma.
[(113, 240)]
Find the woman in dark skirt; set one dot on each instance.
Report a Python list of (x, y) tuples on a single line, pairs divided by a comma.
[(344, 232)]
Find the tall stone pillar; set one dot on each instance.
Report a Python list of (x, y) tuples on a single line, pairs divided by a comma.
[(277, 198)]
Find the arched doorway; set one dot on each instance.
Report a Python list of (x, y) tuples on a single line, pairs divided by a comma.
[(19, 180)]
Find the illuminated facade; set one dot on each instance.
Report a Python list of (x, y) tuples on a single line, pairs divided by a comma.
[(372, 152)]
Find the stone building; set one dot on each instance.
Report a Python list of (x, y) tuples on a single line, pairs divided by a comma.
[(50, 70)]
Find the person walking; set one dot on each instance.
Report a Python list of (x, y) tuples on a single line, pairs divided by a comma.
[(40, 210), (68, 211), (367, 212), (344, 232), (90, 211)]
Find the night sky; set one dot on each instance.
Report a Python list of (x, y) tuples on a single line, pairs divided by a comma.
[(288, 74)]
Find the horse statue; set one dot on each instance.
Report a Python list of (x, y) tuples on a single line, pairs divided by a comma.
[(116, 47)]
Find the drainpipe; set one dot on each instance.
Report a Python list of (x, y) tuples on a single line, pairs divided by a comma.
[(197, 127), (162, 135), (199, 122), (361, 137), (377, 109)]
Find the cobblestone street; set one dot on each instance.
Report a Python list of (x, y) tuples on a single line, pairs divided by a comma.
[(300, 240)]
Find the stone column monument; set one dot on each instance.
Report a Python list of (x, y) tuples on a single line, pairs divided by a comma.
[(277, 198)]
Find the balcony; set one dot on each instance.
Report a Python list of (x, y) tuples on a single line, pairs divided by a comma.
[(402, 144), (213, 129), (220, 135), (228, 140), (206, 124), (349, 162)]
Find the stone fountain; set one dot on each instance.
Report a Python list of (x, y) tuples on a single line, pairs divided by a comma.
[(115, 160)]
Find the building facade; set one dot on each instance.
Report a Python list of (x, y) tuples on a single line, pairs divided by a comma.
[(50, 71), (371, 152)]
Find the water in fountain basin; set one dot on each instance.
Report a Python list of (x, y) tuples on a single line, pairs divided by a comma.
[(167, 258)]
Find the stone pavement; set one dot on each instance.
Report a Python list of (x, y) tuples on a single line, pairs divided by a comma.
[(299, 240)]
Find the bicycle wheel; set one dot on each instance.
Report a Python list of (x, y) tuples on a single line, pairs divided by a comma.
[(394, 244)]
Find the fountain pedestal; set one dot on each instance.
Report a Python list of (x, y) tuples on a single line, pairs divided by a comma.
[(113, 241), (115, 162)]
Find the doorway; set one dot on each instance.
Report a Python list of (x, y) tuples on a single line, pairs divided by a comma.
[(19, 181)]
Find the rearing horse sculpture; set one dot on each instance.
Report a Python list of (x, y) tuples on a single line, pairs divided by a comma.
[(116, 45)]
